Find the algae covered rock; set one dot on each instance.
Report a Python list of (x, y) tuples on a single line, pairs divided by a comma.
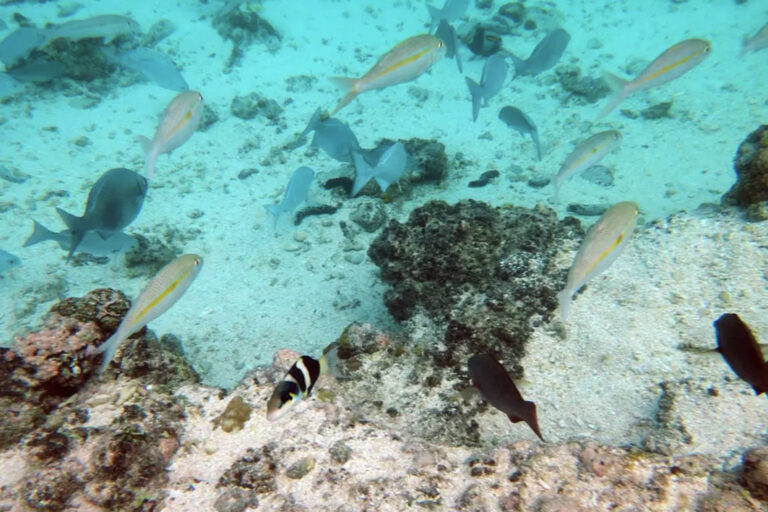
[(751, 166), (484, 273)]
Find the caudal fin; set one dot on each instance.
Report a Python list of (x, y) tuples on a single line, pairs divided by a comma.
[(39, 234), (149, 156), (348, 85), (109, 348), (477, 96), (363, 173), (620, 89), (77, 229), (313, 123), (527, 414), (564, 297)]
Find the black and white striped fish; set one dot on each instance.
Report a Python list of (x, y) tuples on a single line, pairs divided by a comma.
[(298, 383)]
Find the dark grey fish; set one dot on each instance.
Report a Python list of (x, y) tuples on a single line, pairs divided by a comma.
[(332, 136), (517, 119), (8, 85), (545, 55), (38, 71), (155, 66), (498, 389), (92, 243), (114, 201), (447, 34), (452, 10), (491, 82), (738, 346), (8, 261), (19, 44)]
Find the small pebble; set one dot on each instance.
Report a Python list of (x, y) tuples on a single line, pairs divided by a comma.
[(355, 257), (300, 236), (300, 468)]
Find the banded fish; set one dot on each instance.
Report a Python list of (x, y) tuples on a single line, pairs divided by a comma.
[(162, 292), (300, 380), (179, 121), (757, 42), (604, 242), (585, 155), (673, 63), (403, 63), (498, 389), (738, 346)]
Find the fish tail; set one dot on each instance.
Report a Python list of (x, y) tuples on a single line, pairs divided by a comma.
[(564, 297), (348, 85), (477, 95), (620, 88), (76, 228), (39, 234), (363, 173), (149, 156), (312, 125), (109, 348), (274, 210), (556, 194), (329, 362), (434, 14), (528, 415), (744, 47)]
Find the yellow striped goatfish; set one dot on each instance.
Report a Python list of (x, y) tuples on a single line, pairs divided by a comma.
[(179, 121), (604, 242), (585, 155), (674, 62), (403, 63), (156, 298)]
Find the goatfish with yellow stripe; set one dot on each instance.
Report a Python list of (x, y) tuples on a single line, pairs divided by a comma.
[(674, 62), (162, 292), (403, 63), (300, 380), (585, 155), (757, 42), (179, 121), (604, 242)]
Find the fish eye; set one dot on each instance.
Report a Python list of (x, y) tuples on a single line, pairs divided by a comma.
[(440, 44), (198, 261)]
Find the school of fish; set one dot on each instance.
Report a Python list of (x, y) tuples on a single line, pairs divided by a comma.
[(116, 198)]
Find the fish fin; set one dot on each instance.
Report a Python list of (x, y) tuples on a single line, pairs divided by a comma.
[(477, 95), (329, 362), (109, 349), (363, 173), (274, 210), (564, 297), (145, 142), (528, 415), (39, 234), (383, 184), (434, 14), (73, 223), (348, 85), (619, 86), (313, 122), (517, 62)]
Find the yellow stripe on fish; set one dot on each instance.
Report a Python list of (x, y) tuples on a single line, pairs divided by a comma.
[(162, 296), (408, 60), (685, 59)]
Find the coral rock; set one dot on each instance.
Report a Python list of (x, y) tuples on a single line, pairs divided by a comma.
[(751, 166)]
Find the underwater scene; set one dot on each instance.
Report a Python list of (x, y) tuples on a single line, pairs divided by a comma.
[(345, 255)]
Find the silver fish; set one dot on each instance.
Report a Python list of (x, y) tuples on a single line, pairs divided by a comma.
[(19, 44), (389, 168), (517, 119), (92, 242), (545, 55), (491, 82), (108, 27), (155, 66), (295, 193)]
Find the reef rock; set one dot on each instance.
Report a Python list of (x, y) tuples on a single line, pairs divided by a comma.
[(484, 273), (751, 166)]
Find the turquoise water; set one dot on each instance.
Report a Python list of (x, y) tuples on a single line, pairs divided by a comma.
[(297, 287)]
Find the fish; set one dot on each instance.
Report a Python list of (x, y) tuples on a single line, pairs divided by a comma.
[(403, 63), (3, 25), (517, 119), (585, 155), (491, 81), (757, 42), (179, 121), (738, 346), (19, 44), (447, 34), (388, 169), (295, 193), (300, 380), (604, 242), (672, 63), (498, 389), (332, 136), (8, 85), (107, 26), (114, 201), (38, 71), (8, 261), (162, 292), (484, 41), (155, 66), (92, 242), (544, 56), (451, 10)]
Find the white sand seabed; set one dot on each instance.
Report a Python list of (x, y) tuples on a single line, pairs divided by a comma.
[(241, 309)]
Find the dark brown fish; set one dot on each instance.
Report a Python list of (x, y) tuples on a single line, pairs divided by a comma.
[(740, 349), (497, 388)]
